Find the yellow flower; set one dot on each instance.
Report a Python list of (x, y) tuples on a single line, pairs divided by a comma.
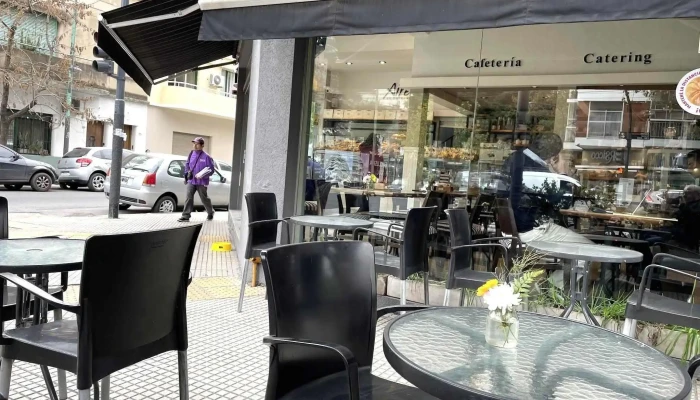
[(486, 287)]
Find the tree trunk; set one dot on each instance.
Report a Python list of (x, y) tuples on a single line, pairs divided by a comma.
[(5, 116)]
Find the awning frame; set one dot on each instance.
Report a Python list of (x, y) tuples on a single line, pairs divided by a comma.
[(126, 49), (178, 14)]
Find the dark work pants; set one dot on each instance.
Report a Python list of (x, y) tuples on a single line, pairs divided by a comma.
[(189, 202)]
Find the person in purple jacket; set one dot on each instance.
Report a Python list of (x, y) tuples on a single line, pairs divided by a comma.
[(196, 181)]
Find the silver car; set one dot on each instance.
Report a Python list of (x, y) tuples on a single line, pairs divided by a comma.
[(157, 181), (86, 166)]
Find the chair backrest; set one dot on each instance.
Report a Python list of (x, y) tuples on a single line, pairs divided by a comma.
[(414, 249), (4, 219), (505, 217), (677, 262), (321, 291), (324, 190), (261, 206), (132, 296), (460, 227), (483, 204), (436, 199)]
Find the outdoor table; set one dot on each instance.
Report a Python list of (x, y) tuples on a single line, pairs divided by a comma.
[(40, 257), (576, 252), (637, 219), (317, 222), (393, 215), (442, 351)]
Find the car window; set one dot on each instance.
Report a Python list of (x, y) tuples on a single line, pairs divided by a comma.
[(177, 168), (75, 153), (103, 154), (5, 153), (225, 167), (144, 163)]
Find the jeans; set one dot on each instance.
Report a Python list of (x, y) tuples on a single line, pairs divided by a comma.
[(189, 202)]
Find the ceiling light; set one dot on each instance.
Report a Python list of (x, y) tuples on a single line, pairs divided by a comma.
[(348, 63), (382, 62)]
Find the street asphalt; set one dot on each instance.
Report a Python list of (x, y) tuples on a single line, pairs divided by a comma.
[(59, 202)]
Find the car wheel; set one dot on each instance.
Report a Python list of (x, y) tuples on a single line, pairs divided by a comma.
[(165, 204), (41, 182), (124, 206), (63, 186), (96, 183), (13, 187)]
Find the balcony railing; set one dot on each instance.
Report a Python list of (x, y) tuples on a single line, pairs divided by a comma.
[(183, 84)]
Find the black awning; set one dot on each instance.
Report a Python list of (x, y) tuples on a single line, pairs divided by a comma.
[(362, 17), (149, 40)]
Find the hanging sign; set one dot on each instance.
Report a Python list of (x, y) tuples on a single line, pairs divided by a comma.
[(688, 92)]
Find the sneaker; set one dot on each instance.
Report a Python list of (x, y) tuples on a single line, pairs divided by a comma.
[(183, 219), (210, 217)]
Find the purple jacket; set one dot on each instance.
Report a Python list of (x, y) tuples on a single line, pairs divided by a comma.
[(197, 162)]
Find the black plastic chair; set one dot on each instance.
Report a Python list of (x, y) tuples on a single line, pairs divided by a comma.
[(644, 305), (323, 318), (413, 249), (461, 274), (132, 307), (4, 219), (316, 206), (263, 224)]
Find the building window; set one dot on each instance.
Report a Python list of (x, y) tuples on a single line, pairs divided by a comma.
[(605, 119), (188, 80), (230, 83), (36, 32), (32, 134)]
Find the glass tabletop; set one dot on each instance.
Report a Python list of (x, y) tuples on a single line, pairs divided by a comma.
[(555, 359), (41, 255)]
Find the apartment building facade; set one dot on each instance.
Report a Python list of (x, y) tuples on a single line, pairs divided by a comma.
[(195, 103)]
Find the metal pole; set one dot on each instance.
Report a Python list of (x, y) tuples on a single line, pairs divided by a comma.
[(115, 178), (69, 90)]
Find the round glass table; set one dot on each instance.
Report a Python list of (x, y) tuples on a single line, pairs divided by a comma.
[(41, 255), (443, 352), (317, 222)]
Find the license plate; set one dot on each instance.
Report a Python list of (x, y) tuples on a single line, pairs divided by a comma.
[(65, 173)]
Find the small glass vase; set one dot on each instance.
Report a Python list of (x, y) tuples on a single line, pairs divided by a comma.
[(502, 329)]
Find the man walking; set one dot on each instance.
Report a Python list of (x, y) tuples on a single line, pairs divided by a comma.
[(198, 168)]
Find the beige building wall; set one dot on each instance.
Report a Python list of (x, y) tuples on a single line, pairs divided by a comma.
[(162, 122)]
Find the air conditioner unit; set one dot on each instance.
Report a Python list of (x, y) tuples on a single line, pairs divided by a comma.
[(216, 80)]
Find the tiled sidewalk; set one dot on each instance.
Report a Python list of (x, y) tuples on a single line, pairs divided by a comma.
[(227, 359)]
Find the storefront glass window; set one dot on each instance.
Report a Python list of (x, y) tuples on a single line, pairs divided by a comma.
[(560, 113)]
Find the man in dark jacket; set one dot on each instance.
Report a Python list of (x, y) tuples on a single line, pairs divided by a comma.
[(686, 232), (198, 168)]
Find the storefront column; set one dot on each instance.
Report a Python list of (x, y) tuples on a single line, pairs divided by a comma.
[(417, 131), (268, 126)]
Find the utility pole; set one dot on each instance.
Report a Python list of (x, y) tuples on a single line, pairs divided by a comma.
[(107, 66), (69, 91)]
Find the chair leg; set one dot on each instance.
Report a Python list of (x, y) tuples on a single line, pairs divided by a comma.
[(630, 328), (184, 380), (426, 288), (61, 374), (403, 292), (462, 295), (446, 300), (246, 267), (104, 389), (5, 375), (84, 394)]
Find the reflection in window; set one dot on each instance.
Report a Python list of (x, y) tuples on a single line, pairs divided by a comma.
[(605, 119)]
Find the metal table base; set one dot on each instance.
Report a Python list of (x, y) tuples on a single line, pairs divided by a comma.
[(579, 293)]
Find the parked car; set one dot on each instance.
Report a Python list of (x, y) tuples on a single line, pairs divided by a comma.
[(87, 166), (667, 200), (17, 171), (157, 181)]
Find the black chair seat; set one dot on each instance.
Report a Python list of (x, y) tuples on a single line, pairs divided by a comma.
[(53, 343), (386, 263), (663, 310), (335, 387), (470, 279)]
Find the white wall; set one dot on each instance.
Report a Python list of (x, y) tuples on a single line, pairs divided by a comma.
[(162, 122), (102, 109)]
